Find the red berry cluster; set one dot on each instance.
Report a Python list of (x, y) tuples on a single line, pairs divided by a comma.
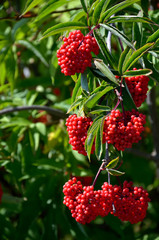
[(77, 128), (122, 130), (86, 204), (130, 203), (1, 192), (138, 87), (74, 56)]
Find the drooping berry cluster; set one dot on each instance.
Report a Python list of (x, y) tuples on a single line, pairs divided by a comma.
[(1, 192), (74, 56), (122, 130), (130, 203), (77, 128), (138, 87)]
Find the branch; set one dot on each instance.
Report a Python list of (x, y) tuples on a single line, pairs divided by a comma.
[(54, 112)]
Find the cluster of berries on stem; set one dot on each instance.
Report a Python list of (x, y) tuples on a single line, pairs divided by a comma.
[(128, 203), (74, 56)]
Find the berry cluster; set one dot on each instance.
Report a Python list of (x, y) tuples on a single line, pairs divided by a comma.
[(1, 192), (130, 203), (77, 128), (74, 56), (138, 87), (122, 130)]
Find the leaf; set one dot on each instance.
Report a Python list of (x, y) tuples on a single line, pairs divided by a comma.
[(117, 33), (135, 56), (50, 8), (29, 5), (97, 11), (127, 99), (115, 172), (122, 59), (61, 27), (37, 53), (105, 5), (41, 127), (154, 37), (93, 6), (92, 100), (105, 70), (98, 109), (132, 73), (137, 34), (84, 82), (104, 50), (99, 139), (76, 89), (118, 7), (91, 134), (84, 5), (112, 163), (75, 104), (130, 19)]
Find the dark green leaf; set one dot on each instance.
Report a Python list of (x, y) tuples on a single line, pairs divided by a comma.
[(92, 100), (130, 19), (104, 50), (105, 70), (99, 139), (117, 33), (116, 8), (132, 73), (84, 82), (84, 5), (61, 27), (30, 4), (115, 172), (97, 12), (154, 37), (127, 99), (122, 59), (98, 109), (105, 5), (76, 103), (76, 89), (135, 56), (112, 163), (137, 34)]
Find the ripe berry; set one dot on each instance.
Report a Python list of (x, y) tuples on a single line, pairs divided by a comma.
[(122, 133), (77, 128), (130, 203), (138, 87), (74, 56)]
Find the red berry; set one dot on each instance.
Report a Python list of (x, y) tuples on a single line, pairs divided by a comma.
[(74, 56), (138, 87), (77, 128), (123, 133)]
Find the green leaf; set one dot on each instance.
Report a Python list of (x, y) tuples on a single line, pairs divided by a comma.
[(127, 99), (91, 134), (76, 89), (84, 81), (50, 8), (98, 109), (30, 4), (84, 5), (145, 6), (154, 37), (130, 19), (105, 5), (105, 70), (92, 100), (75, 104), (132, 73), (115, 172), (137, 34), (93, 6), (118, 7), (61, 27), (112, 163), (122, 59), (99, 139), (117, 33), (97, 11), (104, 50), (41, 127), (135, 56), (37, 53)]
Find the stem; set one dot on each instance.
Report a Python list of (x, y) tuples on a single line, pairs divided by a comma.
[(55, 112)]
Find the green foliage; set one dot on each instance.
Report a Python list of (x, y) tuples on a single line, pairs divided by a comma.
[(36, 158)]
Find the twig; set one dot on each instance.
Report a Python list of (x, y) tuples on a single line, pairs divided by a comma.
[(54, 112)]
